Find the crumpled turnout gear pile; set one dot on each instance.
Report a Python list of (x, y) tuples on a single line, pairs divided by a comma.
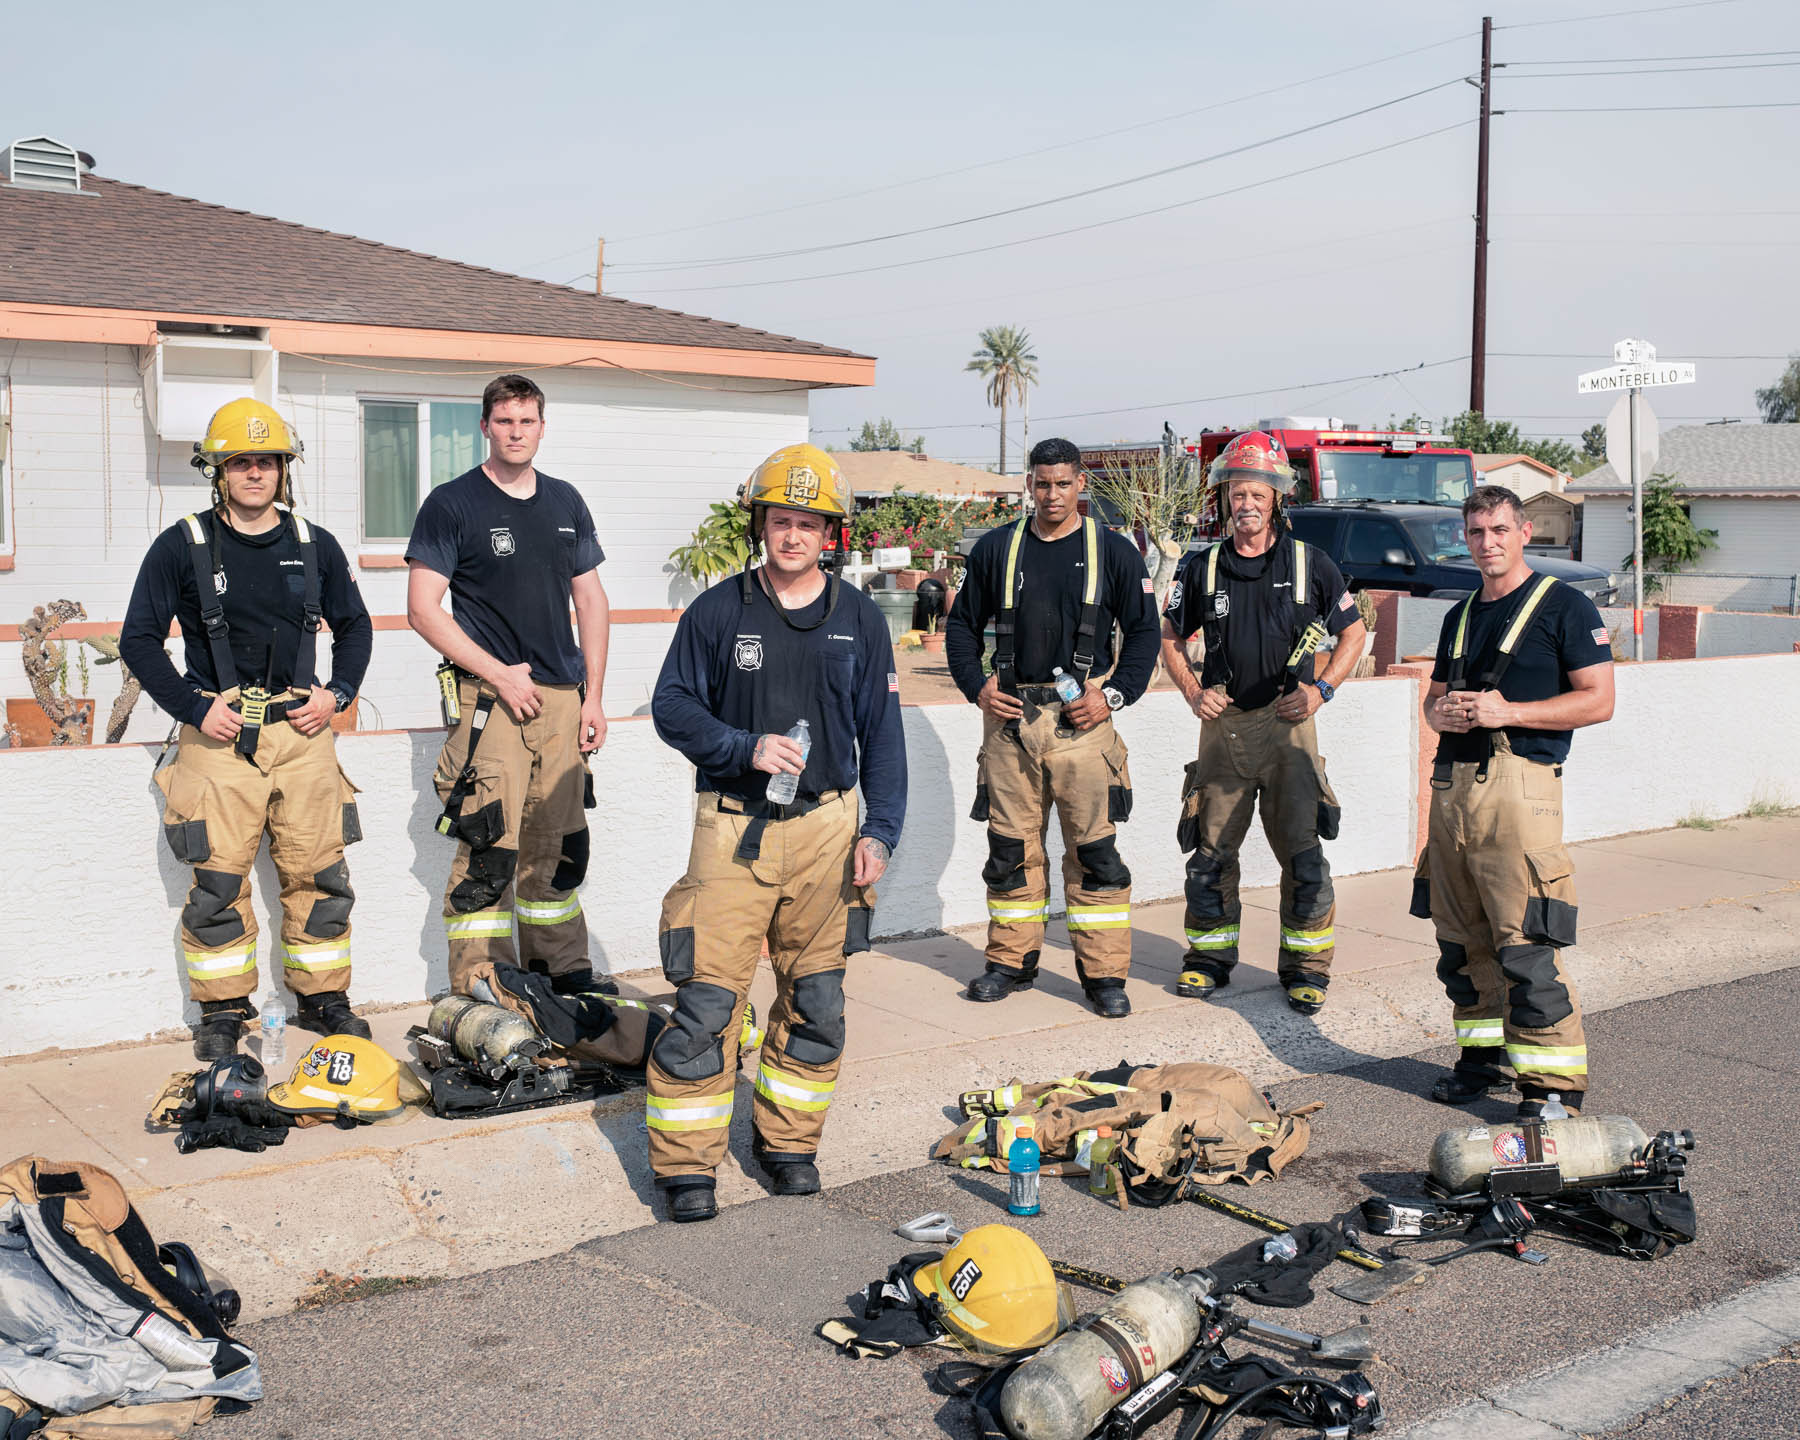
[(97, 1336), (1173, 1126), (586, 1029)]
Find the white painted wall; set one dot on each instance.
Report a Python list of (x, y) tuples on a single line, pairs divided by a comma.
[(93, 486), (1728, 633), (1756, 537), (1422, 620), (97, 958), (1522, 479)]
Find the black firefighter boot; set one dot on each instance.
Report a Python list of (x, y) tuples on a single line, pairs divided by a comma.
[(221, 1022), (330, 1014), (998, 981), (690, 1198), (789, 1172), (1108, 999), (582, 982)]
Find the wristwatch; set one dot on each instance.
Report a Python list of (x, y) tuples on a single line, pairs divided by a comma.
[(1325, 688), (343, 698), (1114, 700)]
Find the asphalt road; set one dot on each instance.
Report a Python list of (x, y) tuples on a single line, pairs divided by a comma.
[(704, 1331)]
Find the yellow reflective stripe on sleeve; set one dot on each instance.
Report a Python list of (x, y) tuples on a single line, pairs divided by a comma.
[(692, 1112), (215, 964), (1013, 914), (1223, 938), (478, 924), (547, 912), (1542, 1057), (332, 955), (1099, 917), (1306, 939), (1480, 1032), (791, 1092)]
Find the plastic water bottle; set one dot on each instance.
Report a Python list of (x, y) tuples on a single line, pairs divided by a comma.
[(272, 1027), (1067, 686), (1100, 1176), (782, 788), (1554, 1109), (1280, 1250), (1022, 1162)]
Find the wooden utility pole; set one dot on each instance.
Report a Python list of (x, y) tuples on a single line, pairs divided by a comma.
[(1478, 339), (600, 254)]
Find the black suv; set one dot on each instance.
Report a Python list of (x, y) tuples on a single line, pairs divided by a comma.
[(1417, 548)]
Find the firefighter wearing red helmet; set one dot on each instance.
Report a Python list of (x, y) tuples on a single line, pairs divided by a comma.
[(1266, 602)]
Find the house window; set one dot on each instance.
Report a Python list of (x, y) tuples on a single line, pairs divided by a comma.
[(408, 447)]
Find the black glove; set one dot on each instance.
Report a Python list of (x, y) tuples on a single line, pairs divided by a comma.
[(227, 1132)]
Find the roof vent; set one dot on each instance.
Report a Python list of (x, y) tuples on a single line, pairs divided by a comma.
[(41, 163)]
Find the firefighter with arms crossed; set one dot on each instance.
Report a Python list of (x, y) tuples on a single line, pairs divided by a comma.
[(754, 655), (514, 548), (1265, 601), (1056, 585), (1521, 664), (250, 580)]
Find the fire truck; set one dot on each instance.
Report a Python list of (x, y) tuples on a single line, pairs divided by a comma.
[(1333, 461)]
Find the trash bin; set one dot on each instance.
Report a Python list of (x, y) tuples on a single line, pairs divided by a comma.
[(897, 607)]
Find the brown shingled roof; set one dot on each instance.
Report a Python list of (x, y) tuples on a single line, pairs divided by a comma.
[(121, 246)]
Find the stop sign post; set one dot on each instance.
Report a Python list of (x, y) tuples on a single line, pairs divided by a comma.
[(1632, 438)]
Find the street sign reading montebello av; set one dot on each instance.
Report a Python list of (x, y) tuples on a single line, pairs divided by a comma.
[(1635, 377)]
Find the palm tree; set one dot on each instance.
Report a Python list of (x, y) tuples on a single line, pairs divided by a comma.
[(1009, 365)]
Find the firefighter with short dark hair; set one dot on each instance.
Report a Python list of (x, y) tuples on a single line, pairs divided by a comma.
[(1521, 664), (1265, 601), (250, 582), (514, 549), (758, 653), (1056, 585)]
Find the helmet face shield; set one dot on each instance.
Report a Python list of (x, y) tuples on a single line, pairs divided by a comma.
[(1253, 456)]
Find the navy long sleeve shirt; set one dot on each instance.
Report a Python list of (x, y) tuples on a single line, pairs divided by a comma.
[(735, 672)]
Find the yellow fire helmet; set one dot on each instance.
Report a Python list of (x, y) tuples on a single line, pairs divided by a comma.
[(244, 427), (798, 477), (343, 1076), (995, 1291)]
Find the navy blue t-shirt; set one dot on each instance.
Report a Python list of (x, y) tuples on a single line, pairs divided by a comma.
[(1565, 634), (735, 672), (510, 564)]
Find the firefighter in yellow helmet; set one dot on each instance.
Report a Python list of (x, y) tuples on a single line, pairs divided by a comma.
[(1265, 601), (251, 580), (780, 688)]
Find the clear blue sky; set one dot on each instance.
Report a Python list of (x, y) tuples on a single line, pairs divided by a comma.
[(512, 136)]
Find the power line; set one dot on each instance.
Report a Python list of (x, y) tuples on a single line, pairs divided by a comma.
[(1070, 230), (1639, 109), (1198, 400), (1159, 174), (1029, 154), (1612, 14), (1589, 355), (1651, 59), (1661, 70)]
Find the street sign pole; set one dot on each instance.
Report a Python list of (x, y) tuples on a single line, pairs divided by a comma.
[(1637, 537)]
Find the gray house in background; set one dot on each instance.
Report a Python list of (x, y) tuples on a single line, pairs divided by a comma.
[(1740, 480)]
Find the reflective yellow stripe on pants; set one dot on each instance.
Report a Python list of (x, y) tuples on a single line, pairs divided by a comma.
[(1099, 917), (213, 964), (792, 1092), (694, 1112), (547, 912), (1006, 914), (1224, 938), (1481, 1032), (1571, 1061), (1319, 939), (314, 959), (478, 923)]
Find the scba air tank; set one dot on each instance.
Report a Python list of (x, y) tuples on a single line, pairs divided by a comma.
[(1582, 1147), (485, 1034), (1061, 1392)]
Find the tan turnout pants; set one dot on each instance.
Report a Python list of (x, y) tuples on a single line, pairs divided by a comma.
[(219, 805), (797, 894), (1254, 761), (522, 838), (1503, 904), (1084, 774)]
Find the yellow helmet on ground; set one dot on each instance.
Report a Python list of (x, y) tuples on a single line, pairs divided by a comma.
[(346, 1076), (244, 427), (798, 477), (995, 1292)]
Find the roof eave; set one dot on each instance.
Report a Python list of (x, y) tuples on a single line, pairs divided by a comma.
[(97, 325)]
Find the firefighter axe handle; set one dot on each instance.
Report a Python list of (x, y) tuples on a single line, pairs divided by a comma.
[(1350, 1254)]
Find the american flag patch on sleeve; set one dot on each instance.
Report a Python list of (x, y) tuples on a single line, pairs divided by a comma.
[(1601, 637), (893, 682), (1149, 588), (1345, 602)]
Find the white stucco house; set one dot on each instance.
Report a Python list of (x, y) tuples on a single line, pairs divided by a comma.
[(1524, 475), (1742, 481), (127, 315)]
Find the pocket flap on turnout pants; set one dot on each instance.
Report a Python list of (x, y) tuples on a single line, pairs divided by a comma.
[(1550, 864)]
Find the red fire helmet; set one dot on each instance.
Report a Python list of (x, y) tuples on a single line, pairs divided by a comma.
[(1254, 455)]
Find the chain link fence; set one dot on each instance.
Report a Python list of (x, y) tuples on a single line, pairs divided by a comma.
[(1722, 590)]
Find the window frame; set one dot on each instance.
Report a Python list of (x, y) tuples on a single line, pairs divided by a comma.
[(422, 424), (1377, 523)]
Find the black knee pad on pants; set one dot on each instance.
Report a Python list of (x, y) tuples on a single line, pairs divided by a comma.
[(819, 1037), (208, 914), (1101, 865), (572, 868), (1313, 895), (1205, 902), (1005, 869), (1538, 998), (330, 914), (689, 1047), (490, 872), (1452, 958)]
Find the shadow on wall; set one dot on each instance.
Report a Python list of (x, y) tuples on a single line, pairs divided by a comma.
[(912, 885), (432, 854)]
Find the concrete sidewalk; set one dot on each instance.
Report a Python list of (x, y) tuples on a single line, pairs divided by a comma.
[(1661, 912)]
